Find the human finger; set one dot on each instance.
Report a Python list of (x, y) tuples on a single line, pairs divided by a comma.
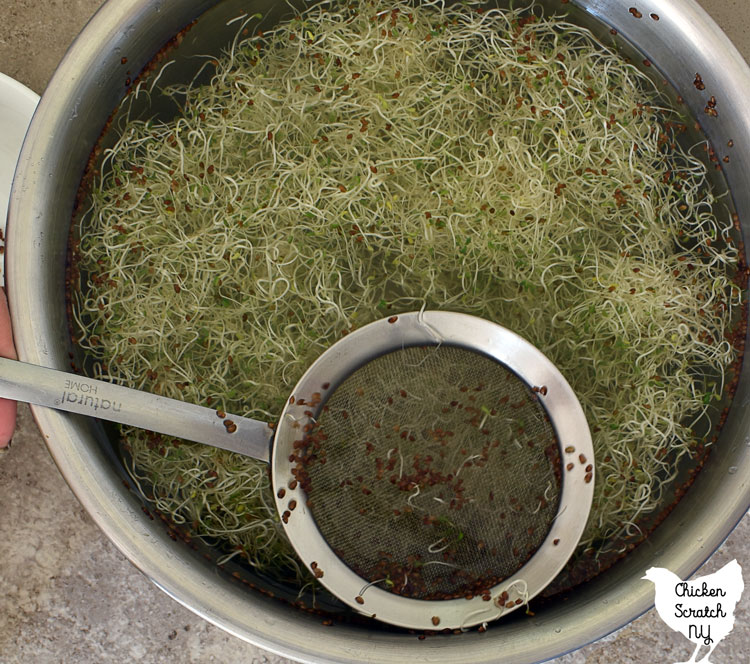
[(7, 349)]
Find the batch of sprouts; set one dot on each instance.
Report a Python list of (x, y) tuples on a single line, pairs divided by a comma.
[(366, 159)]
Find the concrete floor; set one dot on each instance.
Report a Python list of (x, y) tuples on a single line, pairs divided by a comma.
[(67, 595)]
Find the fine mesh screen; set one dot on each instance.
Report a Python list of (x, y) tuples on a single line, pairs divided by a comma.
[(433, 472)]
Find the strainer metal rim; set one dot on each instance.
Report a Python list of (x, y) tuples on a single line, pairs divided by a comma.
[(526, 361)]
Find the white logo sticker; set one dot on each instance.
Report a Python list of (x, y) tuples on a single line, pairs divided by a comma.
[(701, 609)]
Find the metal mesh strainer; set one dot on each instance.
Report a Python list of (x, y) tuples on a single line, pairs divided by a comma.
[(433, 470)]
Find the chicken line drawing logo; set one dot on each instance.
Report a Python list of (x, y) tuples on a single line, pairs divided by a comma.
[(701, 609)]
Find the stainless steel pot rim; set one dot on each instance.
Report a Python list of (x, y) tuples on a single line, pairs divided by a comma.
[(40, 205)]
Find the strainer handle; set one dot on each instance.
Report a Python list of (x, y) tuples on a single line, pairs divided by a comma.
[(86, 396)]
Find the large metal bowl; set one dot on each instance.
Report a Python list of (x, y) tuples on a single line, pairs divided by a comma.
[(89, 83)]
